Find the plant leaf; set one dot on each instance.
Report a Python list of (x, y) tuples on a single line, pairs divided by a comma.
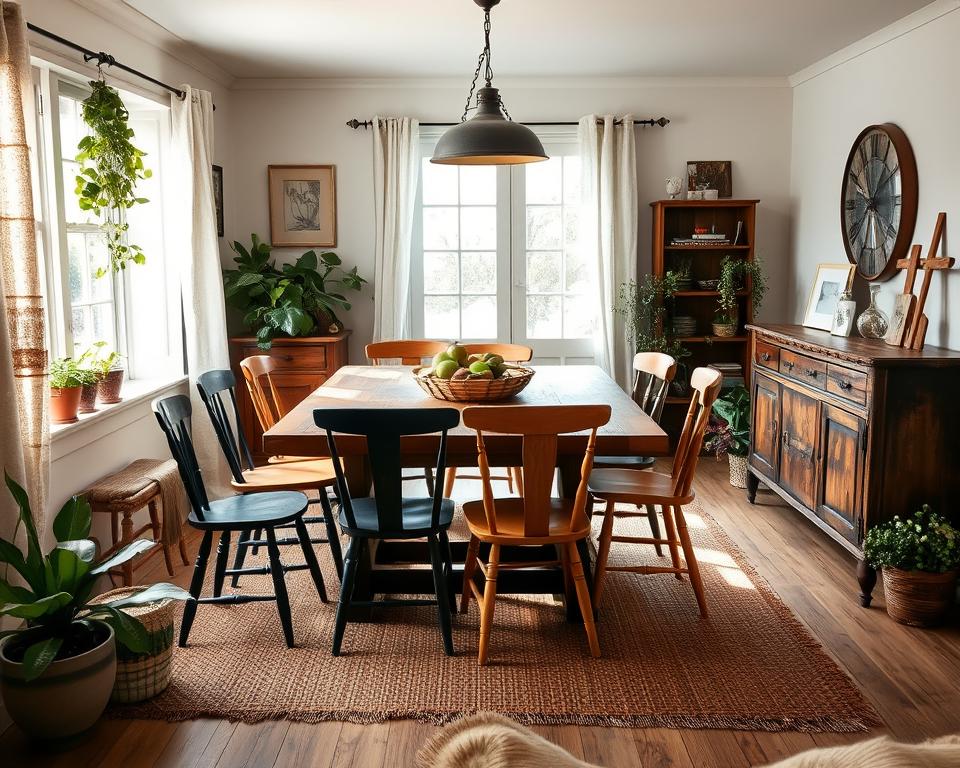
[(128, 629), (152, 594), (39, 656), (10, 593), (73, 520), (130, 551), (42, 607), (34, 558)]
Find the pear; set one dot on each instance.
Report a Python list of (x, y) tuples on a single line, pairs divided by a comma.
[(457, 353), (461, 374), (445, 369), (439, 358)]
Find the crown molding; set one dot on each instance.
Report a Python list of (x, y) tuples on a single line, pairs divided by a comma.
[(904, 26)]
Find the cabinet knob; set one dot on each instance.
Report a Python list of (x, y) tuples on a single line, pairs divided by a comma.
[(844, 384), (788, 365), (811, 372), (765, 356)]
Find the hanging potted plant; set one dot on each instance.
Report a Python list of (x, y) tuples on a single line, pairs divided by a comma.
[(109, 373), (110, 167), (66, 382), (57, 673), (734, 274), (728, 433), (919, 557)]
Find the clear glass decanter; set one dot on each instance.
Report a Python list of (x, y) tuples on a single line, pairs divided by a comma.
[(873, 323)]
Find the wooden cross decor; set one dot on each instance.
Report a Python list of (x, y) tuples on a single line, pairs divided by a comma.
[(904, 304), (917, 331)]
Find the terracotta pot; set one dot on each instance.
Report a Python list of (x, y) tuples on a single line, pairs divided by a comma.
[(64, 402), (918, 598), (88, 398), (738, 470), (67, 698), (108, 388)]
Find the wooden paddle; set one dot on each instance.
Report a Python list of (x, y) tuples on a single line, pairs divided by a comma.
[(904, 303), (915, 338)]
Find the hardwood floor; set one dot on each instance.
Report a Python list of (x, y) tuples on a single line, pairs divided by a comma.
[(911, 676)]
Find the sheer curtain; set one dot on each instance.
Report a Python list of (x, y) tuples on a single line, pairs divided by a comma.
[(609, 229), (196, 246), (396, 167), (24, 425)]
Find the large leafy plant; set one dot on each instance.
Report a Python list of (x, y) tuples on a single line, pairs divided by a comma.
[(110, 167), (290, 300), (924, 542), (729, 428), (59, 585)]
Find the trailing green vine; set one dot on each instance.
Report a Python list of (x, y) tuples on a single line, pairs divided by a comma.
[(110, 167)]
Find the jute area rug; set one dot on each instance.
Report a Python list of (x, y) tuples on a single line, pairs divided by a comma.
[(750, 665)]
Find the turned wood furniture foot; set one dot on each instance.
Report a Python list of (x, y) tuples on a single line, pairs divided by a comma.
[(753, 483), (867, 577)]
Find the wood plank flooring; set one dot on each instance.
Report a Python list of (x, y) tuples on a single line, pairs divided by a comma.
[(911, 676)]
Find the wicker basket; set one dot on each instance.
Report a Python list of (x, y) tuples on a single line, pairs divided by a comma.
[(917, 598), (738, 470), (512, 382), (141, 676), (725, 329)]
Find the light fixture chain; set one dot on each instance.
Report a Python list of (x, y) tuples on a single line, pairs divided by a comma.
[(486, 47), (473, 86)]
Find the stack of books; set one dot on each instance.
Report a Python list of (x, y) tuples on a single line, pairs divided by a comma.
[(732, 374), (709, 238)]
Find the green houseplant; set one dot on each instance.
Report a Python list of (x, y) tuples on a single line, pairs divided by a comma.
[(109, 373), (58, 671), (110, 167), (728, 433), (291, 300), (919, 557), (734, 274), (67, 379)]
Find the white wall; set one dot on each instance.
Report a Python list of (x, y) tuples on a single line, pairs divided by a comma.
[(906, 75), (747, 122)]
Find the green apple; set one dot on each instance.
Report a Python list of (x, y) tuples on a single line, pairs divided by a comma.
[(445, 369), (458, 353), (494, 361), (479, 367), (439, 358)]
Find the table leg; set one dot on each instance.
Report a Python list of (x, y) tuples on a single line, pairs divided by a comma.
[(568, 471)]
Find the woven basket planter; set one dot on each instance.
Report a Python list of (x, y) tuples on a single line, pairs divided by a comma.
[(725, 329), (917, 598), (738, 470), (141, 676), (512, 382)]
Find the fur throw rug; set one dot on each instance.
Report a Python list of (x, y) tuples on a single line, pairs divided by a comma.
[(881, 753)]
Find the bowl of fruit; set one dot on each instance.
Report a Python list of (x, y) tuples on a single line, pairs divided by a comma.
[(480, 378)]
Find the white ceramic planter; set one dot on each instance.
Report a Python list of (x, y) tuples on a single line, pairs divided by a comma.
[(67, 698)]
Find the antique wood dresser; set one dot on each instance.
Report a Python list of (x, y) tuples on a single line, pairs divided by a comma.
[(851, 431)]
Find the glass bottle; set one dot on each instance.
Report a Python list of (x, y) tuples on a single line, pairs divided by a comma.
[(873, 323)]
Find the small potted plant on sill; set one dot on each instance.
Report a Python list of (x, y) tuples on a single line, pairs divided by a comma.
[(734, 274), (91, 376), (57, 673), (918, 557), (66, 382), (728, 433), (109, 373)]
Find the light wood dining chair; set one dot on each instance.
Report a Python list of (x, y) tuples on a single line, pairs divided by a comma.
[(258, 373), (669, 491), (653, 372), (408, 352), (511, 353), (535, 518)]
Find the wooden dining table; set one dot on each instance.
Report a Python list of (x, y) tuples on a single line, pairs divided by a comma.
[(395, 567)]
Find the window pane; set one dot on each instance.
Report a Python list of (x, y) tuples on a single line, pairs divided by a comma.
[(440, 230), (577, 275), (441, 317), (544, 181), (478, 185), (579, 317), (543, 271), (478, 228), (543, 317), (71, 205), (479, 317), (440, 272), (79, 277), (70, 131), (439, 184), (571, 179), (479, 274), (571, 226), (82, 329), (543, 227), (103, 328)]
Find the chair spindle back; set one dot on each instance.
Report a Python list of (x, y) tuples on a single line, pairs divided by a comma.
[(407, 351), (705, 383), (173, 414), (654, 372), (267, 406), (215, 387)]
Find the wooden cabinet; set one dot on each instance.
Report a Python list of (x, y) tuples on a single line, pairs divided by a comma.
[(851, 432), (305, 363)]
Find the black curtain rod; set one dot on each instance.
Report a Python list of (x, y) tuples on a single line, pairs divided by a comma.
[(103, 59), (662, 122)]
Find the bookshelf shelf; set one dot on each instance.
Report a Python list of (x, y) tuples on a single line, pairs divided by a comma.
[(706, 247)]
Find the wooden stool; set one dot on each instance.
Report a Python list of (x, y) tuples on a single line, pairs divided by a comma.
[(133, 495)]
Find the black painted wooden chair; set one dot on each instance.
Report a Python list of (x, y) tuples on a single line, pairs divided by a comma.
[(387, 515), (266, 511), (217, 389)]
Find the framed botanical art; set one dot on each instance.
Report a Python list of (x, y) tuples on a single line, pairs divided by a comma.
[(831, 281), (303, 205), (218, 197)]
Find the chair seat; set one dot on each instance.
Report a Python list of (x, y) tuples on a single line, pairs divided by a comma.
[(288, 459), (313, 473), (254, 510), (625, 462), (416, 514), (635, 487), (510, 517)]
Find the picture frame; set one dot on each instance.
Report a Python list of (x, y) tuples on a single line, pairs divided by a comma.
[(218, 197), (831, 281), (709, 174), (303, 205)]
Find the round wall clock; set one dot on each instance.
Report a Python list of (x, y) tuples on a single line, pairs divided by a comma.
[(878, 202)]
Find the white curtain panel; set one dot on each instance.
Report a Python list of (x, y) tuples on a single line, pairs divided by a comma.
[(609, 229), (196, 248), (396, 167)]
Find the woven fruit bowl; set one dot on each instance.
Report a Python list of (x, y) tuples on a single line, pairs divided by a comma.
[(511, 382)]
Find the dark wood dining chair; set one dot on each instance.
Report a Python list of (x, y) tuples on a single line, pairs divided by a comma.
[(387, 514), (264, 511), (669, 491), (653, 372), (536, 518), (218, 393)]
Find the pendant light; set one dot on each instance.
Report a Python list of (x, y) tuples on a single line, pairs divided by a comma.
[(490, 137)]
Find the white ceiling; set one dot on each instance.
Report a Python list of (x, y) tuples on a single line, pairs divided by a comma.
[(442, 38)]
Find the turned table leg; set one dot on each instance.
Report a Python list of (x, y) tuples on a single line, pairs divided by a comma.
[(867, 577)]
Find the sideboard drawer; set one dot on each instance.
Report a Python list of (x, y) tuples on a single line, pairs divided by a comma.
[(301, 357), (768, 355), (803, 368), (847, 383)]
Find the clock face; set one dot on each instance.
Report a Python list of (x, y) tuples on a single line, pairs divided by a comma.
[(878, 206)]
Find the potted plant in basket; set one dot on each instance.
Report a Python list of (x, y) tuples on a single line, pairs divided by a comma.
[(67, 379), (919, 557), (729, 432), (734, 273), (58, 671)]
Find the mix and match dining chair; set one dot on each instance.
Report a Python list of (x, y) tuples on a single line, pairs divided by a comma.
[(408, 352), (511, 353), (266, 399), (387, 514), (669, 491), (653, 373), (217, 388), (535, 518), (264, 511)]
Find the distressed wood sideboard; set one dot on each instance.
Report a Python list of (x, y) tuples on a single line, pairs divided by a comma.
[(851, 431)]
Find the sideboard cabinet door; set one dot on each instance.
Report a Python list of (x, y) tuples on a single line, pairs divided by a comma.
[(765, 445), (798, 445), (843, 442)]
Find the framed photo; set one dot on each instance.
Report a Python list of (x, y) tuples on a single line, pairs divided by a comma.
[(303, 205), (831, 281), (710, 174), (218, 197)]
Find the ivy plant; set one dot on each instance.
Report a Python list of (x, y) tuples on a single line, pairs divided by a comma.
[(733, 274), (644, 307), (110, 167), (924, 542)]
